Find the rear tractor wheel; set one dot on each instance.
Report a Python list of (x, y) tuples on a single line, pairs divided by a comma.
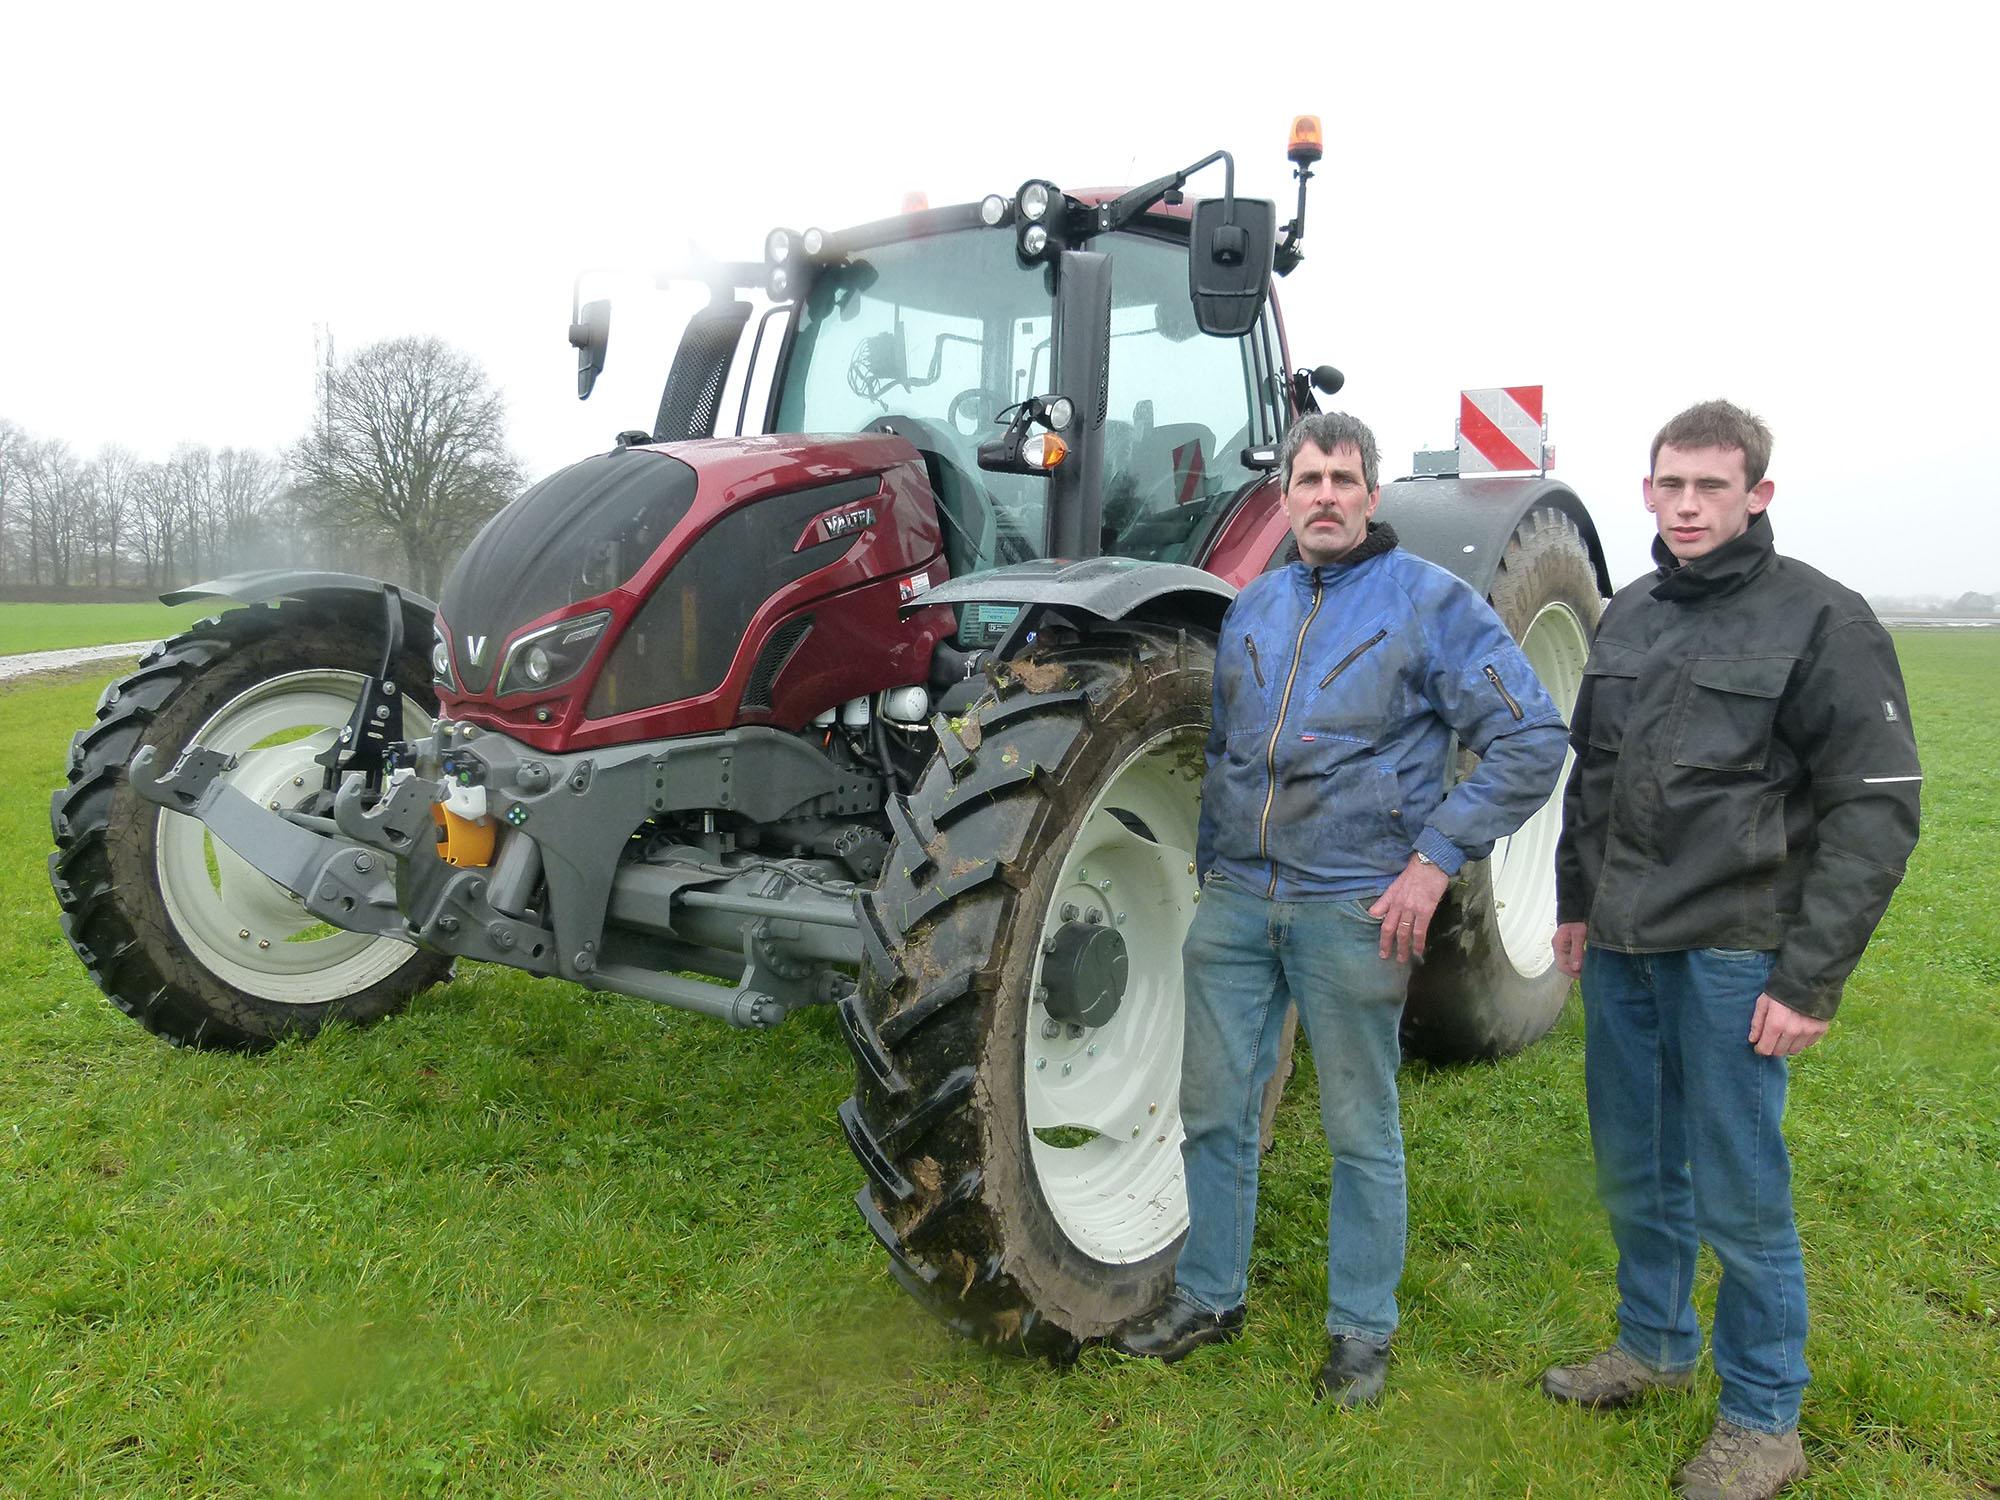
[(181, 933), (1018, 1024), (1489, 985)]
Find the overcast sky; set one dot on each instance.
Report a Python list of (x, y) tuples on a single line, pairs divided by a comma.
[(1791, 208)]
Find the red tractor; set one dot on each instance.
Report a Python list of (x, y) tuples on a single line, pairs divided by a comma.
[(894, 701)]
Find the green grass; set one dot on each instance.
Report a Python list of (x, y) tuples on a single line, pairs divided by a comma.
[(50, 627), (521, 1241)]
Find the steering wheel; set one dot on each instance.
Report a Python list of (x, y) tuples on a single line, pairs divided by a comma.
[(964, 510), (972, 409)]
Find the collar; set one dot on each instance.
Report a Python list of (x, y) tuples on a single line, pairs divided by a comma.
[(1723, 571), (1379, 540)]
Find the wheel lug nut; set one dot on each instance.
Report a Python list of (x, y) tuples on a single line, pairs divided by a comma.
[(263, 942), (1041, 1063), (1135, 1132), (1065, 1070), (1051, 1029), (301, 781), (1069, 911), (243, 932), (1104, 885), (1119, 920), (1091, 1050)]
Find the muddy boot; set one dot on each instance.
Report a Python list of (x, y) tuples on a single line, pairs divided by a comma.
[(1740, 1463), (1613, 1378)]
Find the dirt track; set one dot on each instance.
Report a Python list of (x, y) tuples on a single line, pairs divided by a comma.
[(28, 664)]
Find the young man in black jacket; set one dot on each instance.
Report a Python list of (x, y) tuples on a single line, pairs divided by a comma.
[(1743, 801)]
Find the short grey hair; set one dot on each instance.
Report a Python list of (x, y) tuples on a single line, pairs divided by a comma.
[(1328, 430)]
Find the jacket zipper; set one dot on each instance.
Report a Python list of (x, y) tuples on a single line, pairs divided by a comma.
[(1507, 697), (1355, 655), (1271, 750), (1250, 643)]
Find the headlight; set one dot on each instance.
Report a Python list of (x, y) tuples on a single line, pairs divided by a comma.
[(441, 658), (1034, 200), (552, 654), (778, 246)]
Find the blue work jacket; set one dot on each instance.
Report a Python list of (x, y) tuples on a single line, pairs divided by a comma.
[(1337, 691)]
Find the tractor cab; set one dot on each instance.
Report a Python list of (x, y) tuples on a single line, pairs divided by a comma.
[(1084, 374)]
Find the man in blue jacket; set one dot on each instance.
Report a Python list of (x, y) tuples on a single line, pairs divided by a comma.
[(1327, 840)]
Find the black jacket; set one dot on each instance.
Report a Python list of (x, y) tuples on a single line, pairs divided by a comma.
[(1745, 772)]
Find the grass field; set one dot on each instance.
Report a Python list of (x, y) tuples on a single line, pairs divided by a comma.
[(524, 1242), (50, 627)]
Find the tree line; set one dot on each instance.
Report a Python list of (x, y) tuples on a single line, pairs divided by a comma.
[(404, 457)]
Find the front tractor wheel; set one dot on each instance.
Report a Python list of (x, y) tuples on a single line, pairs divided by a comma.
[(180, 932), (1018, 1024)]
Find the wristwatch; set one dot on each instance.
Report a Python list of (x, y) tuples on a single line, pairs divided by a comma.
[(1425, 859)]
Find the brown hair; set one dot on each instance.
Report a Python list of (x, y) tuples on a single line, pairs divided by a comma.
[(1718, 424)]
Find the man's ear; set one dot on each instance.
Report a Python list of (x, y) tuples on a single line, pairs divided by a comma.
[(1760, 496), (1646, 489), (1374, 499)]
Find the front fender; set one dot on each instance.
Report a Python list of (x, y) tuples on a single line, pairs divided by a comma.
[(301, 583), (1110, 588)]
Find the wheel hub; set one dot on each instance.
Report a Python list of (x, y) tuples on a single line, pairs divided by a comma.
[(1084, 973)]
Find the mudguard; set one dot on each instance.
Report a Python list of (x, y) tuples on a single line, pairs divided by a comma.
[(299, 583), (1111, 588), (1464, 524)]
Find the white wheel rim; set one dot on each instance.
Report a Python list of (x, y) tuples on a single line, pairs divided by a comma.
[(1110, 1094), (1524, 866), (239, 924)]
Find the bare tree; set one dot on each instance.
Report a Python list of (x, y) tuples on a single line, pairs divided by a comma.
[(157, 518), (410, 438), (56, 489), (111, 476), (13, 462)]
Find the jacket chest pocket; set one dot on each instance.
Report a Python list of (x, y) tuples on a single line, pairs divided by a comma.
[(1610, 675), (1727, 710), (1352, 688)]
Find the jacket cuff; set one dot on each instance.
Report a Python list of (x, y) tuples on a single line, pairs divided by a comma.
[(1818, 1001), (1440, 850)]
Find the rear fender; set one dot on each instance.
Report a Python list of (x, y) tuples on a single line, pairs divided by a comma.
[(1464, 524)]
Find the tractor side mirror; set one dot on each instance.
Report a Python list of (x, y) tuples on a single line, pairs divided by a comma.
[(1230, 251), (591, 334)]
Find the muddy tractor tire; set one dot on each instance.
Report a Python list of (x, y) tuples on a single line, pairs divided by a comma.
[(1020, 1132), (178, 931), (1488, 985)]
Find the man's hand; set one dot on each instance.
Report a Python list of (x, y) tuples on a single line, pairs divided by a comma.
[(1776, 1030), (1406, 909), (1570, 938)]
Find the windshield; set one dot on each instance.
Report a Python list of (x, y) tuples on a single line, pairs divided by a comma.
[(938, 335)]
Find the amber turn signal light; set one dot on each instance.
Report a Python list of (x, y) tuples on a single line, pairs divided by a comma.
[(1044, 450)]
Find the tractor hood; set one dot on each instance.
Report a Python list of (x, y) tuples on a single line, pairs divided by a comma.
[(579, 532), (579, 543)]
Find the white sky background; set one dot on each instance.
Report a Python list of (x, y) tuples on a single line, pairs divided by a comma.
[(1636, 207)]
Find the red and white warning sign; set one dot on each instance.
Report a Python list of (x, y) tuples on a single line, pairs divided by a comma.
[(1500, 430)]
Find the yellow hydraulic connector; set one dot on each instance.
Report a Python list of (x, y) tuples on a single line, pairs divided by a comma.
[(467, 842)]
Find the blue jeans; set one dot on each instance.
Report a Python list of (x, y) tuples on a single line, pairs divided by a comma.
[(1685, 1121), (1247, 959)]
